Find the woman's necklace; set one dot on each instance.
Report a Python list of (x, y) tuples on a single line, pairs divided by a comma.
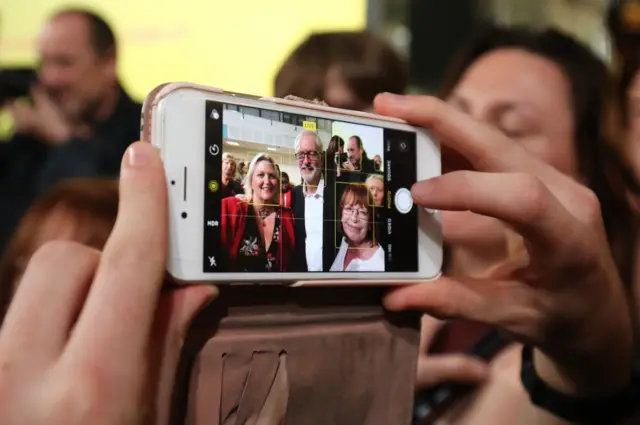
[(264, 213)]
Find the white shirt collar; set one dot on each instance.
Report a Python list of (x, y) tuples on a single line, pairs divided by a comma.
[(319, 192)]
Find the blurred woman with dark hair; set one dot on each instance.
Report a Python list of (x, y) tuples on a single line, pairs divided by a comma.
[(80, 210), (549, 94)]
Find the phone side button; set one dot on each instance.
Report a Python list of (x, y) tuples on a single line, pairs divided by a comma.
[(403, 201)]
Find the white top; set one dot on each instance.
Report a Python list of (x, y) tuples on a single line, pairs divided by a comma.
[(313, 224), (373, 264)]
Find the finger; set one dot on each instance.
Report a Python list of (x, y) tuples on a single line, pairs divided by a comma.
[(455, 368), (492, 302), (176, 310), (48, 300), (118, 314), (19, 111), (429, 328), (485, 147), (521, 200)]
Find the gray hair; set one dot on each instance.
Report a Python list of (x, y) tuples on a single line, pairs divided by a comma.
[(373, 177), (305, 133), (227, 156)]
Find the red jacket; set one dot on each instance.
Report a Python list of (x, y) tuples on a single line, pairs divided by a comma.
[(285, 199), (232, 225)]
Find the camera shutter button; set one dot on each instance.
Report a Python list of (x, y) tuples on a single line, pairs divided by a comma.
[(403, 201)]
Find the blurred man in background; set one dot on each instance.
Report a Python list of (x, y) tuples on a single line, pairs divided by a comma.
[(79, 120)]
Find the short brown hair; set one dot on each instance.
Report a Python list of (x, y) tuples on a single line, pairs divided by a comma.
[(358, 194), (368, 64), (102, 36), (92, 206)]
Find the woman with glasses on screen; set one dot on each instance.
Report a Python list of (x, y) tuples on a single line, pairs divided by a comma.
[(256, 231), (359, 250)]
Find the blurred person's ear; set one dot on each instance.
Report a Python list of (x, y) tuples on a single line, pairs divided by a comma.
[(109, 64)]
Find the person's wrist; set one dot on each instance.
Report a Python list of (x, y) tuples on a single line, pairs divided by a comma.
[(581, 379)]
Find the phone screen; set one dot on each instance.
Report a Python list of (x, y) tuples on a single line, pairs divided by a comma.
[(296, 193)]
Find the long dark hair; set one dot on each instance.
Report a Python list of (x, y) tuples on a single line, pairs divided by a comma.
[(591, 95)]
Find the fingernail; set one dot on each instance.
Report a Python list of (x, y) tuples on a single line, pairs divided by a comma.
[(396, 100), (138, 155), (420, 192)]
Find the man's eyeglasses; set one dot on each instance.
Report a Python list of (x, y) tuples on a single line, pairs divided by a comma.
[(313, 155)]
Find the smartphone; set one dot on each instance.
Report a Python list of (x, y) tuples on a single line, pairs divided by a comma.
[(16, 82), (254, 197)]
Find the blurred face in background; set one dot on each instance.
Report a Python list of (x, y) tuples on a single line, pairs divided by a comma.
[(354, 152), (70, 70), (228, 168), (526, 97), (285, 183), (376, 189)]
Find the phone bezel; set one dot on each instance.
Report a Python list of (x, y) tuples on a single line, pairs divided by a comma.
[(177, 125)]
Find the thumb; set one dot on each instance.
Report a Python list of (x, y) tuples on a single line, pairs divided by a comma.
[(176, 310), (455, 368)]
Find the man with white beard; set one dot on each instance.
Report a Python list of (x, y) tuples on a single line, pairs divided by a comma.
[(312, 203)]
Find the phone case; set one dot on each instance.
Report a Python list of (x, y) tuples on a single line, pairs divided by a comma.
[(308, 356), (157, 94)]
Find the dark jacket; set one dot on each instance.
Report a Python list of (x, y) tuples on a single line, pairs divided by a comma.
[(329, 249), (29, 167)]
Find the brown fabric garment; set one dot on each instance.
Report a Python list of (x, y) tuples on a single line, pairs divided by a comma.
[(264, 355)]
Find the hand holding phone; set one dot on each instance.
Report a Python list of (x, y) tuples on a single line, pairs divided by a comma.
[(335, 226)]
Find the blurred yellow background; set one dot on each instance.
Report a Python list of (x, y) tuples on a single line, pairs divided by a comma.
[(233, 44)]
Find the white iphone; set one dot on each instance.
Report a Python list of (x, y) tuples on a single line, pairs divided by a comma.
[(266, 190)]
